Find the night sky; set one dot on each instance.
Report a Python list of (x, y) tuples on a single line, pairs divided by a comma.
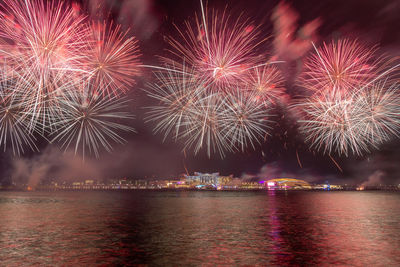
[(146, 156)]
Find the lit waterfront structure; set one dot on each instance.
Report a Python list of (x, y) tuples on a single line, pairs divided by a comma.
[(287, 183), (203, 178), (208, 181), (212, 181)]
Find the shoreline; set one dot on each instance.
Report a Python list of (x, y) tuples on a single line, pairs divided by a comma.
[(189, 190)]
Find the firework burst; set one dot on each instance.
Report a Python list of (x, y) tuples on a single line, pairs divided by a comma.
[(340, 66), (42, 40), (267, 82), (112, 60), (217, 122), (354, 106), (331, 124), (244, 120), (14, 131), (186, 110), (44, 37), (204, 127), (219, 48), (91, 122), (63, 76), (175, 92), (381, 106), (221, 101), (353, 124)]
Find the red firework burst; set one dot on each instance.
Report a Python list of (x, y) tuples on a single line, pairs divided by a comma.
[(267, 82), (112, 59), (340, 66), (219, 48)]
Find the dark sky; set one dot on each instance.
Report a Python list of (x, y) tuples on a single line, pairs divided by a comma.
[(145, 155)]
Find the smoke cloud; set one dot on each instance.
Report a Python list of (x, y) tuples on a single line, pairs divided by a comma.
[(374, 179), (292, 42), (134, 158), (52, 163), (136, 15)]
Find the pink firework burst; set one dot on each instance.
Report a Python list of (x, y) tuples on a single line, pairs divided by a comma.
[(333, 124), (49, 54), (91, 122), (41, 36), (112, 59), (219, 48), (381, 119), (41, 40), (339, 66), (267, 83), (355, 103)]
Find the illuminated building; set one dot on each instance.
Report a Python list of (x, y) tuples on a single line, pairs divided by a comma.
[(287, 183), (225, 180), (203, 178)]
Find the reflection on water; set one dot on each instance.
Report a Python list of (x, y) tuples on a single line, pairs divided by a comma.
[(192, 228)]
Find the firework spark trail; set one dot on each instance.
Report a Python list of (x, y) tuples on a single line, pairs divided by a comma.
[(244, 120), (268, 83), (89, 120), (334, 125), (336, 164), (45, 38), (176, 93), (340, 65), (219, 97), (203, 127), (298, 159), (381, 118), (112, 60), (355, 105), (13, 125), (219, 48), (52, 55)]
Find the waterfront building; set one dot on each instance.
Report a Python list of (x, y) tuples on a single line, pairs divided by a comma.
[(287, 183), (203, 178), (225, 180)]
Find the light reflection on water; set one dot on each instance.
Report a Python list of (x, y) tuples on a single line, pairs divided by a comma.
[(192, 228)]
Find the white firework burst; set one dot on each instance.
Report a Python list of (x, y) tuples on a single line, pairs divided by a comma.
[(92, 122)]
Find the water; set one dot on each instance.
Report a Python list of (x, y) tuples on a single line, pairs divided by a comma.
[(200, 228)]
